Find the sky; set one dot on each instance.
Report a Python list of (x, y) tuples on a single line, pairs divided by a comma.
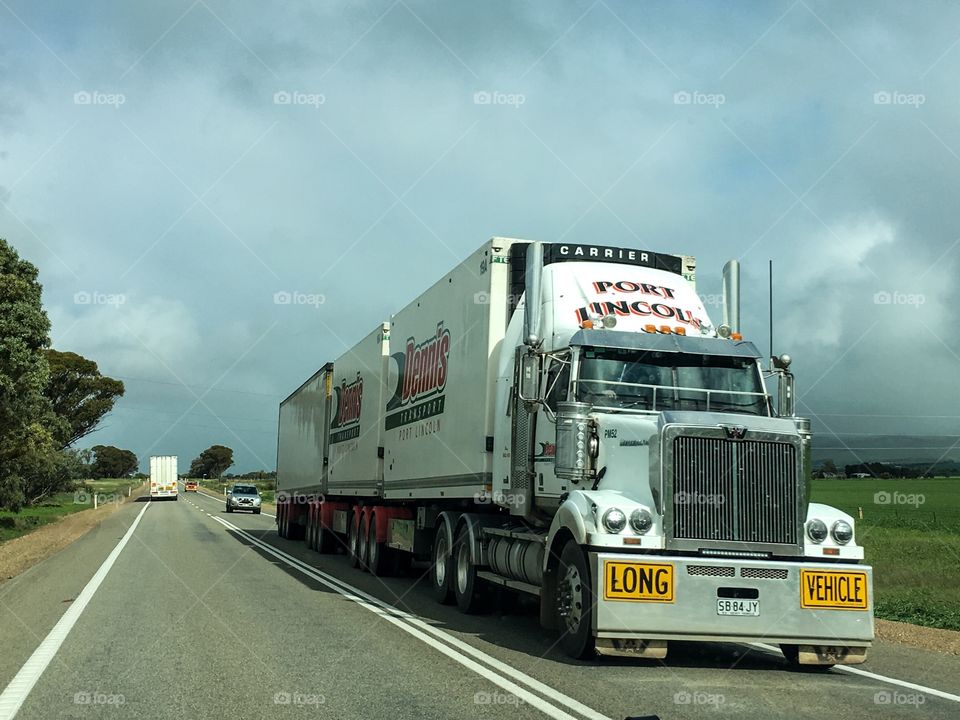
[(222, 196)]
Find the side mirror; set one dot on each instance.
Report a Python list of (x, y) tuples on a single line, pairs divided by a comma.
[(528, 379)]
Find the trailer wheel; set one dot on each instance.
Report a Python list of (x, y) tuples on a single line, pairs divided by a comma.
[(353, 541), (362, 545), (574, 602), (471, 592), (378, 554), (441, 570)]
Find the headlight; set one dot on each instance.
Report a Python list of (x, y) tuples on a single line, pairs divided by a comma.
[(614, 520), (641, 521), (256, 501), (817, 530), (842, 532)]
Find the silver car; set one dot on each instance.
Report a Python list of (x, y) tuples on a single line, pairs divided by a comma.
[(243, 497)]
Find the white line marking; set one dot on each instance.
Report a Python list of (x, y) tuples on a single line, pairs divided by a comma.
[(406, 621), (21, 685), (874, 676)]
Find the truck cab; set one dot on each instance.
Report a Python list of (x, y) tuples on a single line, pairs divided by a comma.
[(669, 487)]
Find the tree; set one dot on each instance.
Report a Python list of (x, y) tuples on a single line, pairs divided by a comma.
[(79, 394), (112, 462), (30, 466), (212, 462)]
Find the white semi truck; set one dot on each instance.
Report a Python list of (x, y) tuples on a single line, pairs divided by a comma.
[(163, 476), (566, 421)]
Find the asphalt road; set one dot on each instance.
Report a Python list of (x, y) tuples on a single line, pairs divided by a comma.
[(205, 614)]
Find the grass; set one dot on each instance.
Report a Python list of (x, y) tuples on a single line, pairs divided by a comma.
[(14, 525), (911, 536)]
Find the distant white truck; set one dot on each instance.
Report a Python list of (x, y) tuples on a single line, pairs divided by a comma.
[(163, 476)]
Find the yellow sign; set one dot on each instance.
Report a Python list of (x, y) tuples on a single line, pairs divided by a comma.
[(640, 582), (823, 589)]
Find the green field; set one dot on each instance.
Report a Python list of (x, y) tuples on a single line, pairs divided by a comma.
[(16, 524), (910, 530)]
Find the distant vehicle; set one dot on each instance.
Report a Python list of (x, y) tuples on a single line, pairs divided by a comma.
[(163, 476), (190, 485), (243, 497)]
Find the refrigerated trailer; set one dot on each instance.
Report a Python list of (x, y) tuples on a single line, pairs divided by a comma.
[(163, 476), (566, 421)]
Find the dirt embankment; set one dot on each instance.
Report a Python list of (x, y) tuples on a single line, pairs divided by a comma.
[(945, 641), (23, 552)]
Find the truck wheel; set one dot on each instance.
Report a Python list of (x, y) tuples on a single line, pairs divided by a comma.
[(471, 592), (362, 546), (441, 571), (574, 602), (378, 554), (792, 654), (324, 539), (353, 542)]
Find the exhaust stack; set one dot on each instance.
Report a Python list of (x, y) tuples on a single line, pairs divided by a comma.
[(731, 295), (531, 315)]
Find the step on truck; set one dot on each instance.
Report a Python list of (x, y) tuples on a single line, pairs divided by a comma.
[(566, 421), (163, 477)]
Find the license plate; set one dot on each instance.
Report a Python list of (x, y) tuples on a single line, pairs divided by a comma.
[(738, 607), (638, 582), (829, 590)]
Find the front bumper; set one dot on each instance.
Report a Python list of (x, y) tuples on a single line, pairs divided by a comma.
[(689, 611), (244, 506)]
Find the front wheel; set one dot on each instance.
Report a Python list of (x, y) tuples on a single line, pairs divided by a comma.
[(228, 509), (256, 512), (575, 602)]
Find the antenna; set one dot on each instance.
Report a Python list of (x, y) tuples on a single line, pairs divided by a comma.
[(770, 274)]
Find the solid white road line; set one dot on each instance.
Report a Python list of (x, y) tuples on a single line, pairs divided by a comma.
[(415, 626), (21, 685), (874, 676)]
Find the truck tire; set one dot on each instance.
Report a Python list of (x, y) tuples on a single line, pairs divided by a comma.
[(574, 603), (472, 593), (362, 546), (378, 554), (353, 541), (441, 569), (324, 540)]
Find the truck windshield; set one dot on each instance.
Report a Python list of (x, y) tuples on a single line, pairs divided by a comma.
[(654, 381)]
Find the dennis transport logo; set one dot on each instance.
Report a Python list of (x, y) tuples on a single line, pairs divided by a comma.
[(421, 380), (346, 422)]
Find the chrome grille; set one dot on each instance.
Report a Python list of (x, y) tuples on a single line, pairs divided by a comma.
[(734, 490)]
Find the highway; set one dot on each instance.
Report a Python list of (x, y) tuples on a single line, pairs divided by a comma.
[(178, 609)]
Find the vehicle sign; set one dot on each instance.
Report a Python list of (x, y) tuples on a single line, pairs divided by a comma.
[(825, 589), (726, 606), (639, 582)]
